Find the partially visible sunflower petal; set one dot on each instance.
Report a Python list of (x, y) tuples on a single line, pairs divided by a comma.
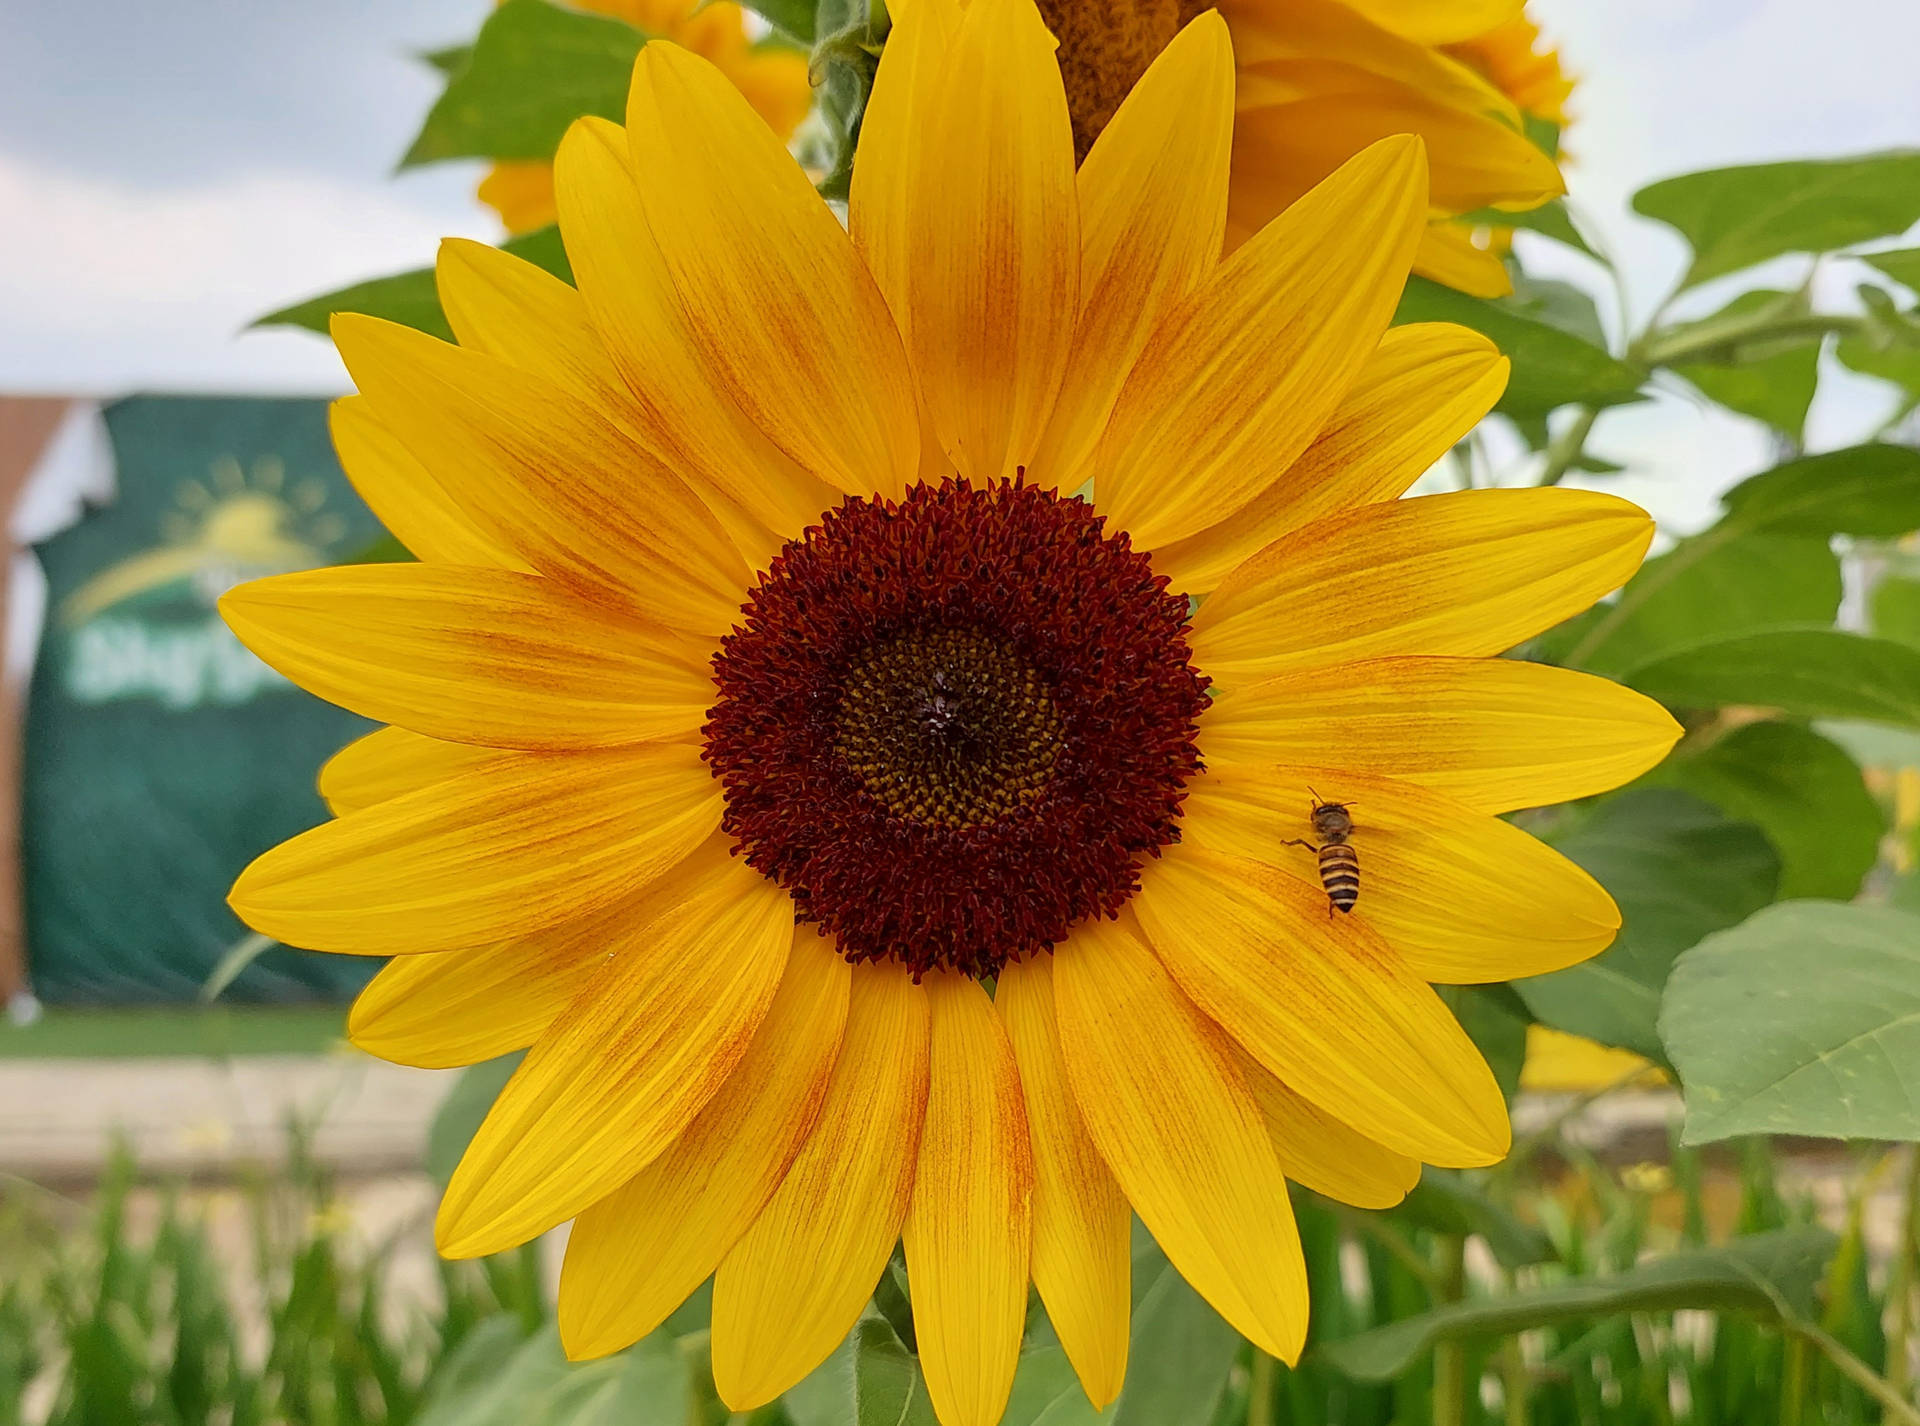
[(392, 761), (1496, 733), (473, 656), (993, 236), (1319, 1152), (1425, 386), (1449, 254), (1463, 897), (758, 493), (629, 1064), (1432, 24), (1082, 1262), (1160, 1096), (969, 1223), (635, 1255), (1153, 212), (1241, 376), (544, 470), (1471, 572), (511, 848), (1323, 1003), (405, 498), (899, 117), (451, 1008), (779, 302), (792, 1288)]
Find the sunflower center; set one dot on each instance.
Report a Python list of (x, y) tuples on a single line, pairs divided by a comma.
[(952, 725), (1105, 46)]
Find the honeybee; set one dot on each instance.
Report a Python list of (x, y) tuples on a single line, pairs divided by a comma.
[(1339, 862)]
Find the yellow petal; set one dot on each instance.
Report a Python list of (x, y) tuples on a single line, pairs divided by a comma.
[(1425, 386), (970, 1220), (1462, 897), (1161, 1097), (473, 656), (1449, 254), (407, 500), (628, 1065), (894, 131), (545, 471), (1472, 572), (521, 192), (630, 297), (1153, 213), (993, 235), (1321, 1001), (779, 302), (1082, 1262), (521, 314), (635, 1255), (460, 1007), (1495, 733), (386, 763), (793, 1287), (1239, 378), (1445, 24), (1319, 1152), (511, 848)]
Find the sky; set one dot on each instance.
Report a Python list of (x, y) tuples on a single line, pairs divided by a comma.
[(169, 172)]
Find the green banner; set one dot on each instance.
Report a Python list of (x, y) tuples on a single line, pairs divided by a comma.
[(161, 756)]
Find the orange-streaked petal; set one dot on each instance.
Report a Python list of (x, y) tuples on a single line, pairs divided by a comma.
[(1495, 733), (635, 1255), (1321, 1001), (792, 1288), (969, 1222), (1153, 213), (756, 491), (545, 471), (629, 1064), (1240, 377), (505, 850), (1426, 385), (1448, 254), (1462, 897), (473, 656), (1320, 1152), (1082, 1260), (392, 761), (778, 301), (1472, 572), (406, 499), (1160, 1096), (993, 235)]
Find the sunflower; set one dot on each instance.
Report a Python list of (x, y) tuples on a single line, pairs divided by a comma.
[(800, 738), (773, 80), (1511, 57), (1319, 81)]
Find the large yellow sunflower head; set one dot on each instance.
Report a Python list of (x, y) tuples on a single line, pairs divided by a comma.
[(801, 742), (773, 80)]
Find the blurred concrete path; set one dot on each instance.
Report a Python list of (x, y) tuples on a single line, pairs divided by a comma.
[(59, 1118)]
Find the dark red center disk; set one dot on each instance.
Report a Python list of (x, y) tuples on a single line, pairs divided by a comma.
[(952, 726)]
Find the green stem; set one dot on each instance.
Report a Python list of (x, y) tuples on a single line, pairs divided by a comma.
[(1793, 1390), (1568, 447), (1450, 1356), (1260, 1390), (1895, 1404), (1903, 1275)]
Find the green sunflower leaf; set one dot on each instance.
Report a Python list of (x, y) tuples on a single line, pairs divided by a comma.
[(1771, 1276), (1901, 264), (458, 1118), (1181, 1351), (1801, 789), (410, 298), (792, 18), (647, 1385), (1736, 217), (534, 68), (1774, 383), (1810, 673), (1679, 869), (1552, 366), (1803, 1020)]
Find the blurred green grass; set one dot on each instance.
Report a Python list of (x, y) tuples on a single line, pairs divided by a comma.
[(216, 1030)]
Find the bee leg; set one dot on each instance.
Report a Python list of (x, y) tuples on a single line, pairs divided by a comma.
[(1299, 842)]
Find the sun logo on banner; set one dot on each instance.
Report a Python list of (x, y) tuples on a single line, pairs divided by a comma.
[(238, 524)]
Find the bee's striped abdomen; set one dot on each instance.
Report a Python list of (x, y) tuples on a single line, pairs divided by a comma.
[(1340, 874)]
